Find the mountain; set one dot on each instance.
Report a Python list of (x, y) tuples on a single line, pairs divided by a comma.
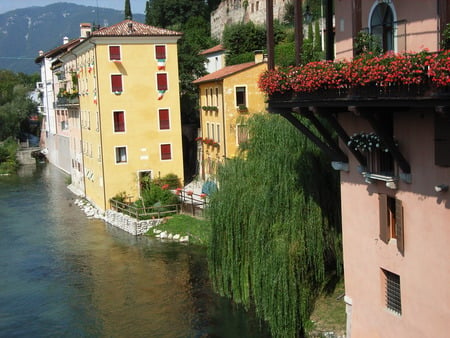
[(24, 32)]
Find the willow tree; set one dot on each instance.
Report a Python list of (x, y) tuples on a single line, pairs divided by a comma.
[(275, 226)]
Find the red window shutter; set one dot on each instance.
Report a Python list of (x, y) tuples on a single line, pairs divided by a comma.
[(114, 53), (116, 83), (166, 152), (162, 81), (119, 121), (384, 225), (164, 122), (399, 226), (160, 52)]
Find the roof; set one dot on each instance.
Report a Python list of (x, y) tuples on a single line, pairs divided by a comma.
[(224, 72), (215, 49), (58, 50), (133, 28)]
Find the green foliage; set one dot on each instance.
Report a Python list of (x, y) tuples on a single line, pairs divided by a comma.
[(121, 197), (367, 43), (128, 14), (198, 230), (168, 13), (243, 37), (156, 195), (275, 226), (8, 160), (171, 181), (445, 39)]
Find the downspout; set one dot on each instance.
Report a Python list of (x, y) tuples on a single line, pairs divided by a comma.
[(99, 122)]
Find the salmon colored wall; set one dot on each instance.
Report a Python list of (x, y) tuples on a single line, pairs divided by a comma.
[(423, 270), (421, 24)]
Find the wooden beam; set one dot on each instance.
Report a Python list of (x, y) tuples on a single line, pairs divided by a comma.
[(362, 160), (298, 31), (269, 35), (324, 133), (312, 137)]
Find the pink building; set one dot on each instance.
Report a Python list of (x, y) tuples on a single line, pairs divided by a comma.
[(395, 198)]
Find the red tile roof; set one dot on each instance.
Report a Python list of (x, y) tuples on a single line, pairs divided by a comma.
[(211, 50), (58, 50), (224, 72), (133, 28)]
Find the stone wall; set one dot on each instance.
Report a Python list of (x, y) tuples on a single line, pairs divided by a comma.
[(235, 11), (130, 224)]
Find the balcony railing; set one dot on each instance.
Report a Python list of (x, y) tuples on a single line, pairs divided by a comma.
[(67, 101)]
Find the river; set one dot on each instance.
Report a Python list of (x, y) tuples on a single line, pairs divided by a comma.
[(63, 275)]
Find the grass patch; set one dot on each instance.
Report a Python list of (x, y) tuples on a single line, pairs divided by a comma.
[(198, 230), (329, 313)]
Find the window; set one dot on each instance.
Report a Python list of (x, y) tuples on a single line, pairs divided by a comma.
[(116, 83), (166, 152), (218, 133), (393, 299), (391, 220), (160, 52), (121, 154), (114, 53), (212, 131), (161, 79), (119, 122), (442, 139), (240, 96), (382, 25), (164, 122), (242, 133)]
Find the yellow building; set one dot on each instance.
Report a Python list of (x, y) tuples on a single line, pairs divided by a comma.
[(227, 98), (127, 80)]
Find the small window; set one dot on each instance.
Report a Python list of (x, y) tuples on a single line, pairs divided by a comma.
[(207, 130), (166, 152), (218, 132), (391, 220), (119, 121), (241, 96), (116, 83), (114, 53), (164, 122), (121, 154), (160, 52), (393, 299), (161, 79)]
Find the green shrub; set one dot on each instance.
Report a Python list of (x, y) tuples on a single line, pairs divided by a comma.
[(171, 181)]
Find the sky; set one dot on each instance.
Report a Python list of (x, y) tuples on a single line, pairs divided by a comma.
[(137, 6)]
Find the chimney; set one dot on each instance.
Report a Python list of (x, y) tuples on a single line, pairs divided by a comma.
[(65, 40), (85, 30), (259, 56)]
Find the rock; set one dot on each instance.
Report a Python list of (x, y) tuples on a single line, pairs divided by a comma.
[(176, 237), (184, 239), (169, 236), (163, 234)]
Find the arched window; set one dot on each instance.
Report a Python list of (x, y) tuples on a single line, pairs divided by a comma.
[(382, 26)]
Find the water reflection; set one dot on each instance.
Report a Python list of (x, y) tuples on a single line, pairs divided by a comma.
[(66, 276)]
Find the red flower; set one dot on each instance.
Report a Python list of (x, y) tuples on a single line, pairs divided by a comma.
[(165, 187), (189, 192)]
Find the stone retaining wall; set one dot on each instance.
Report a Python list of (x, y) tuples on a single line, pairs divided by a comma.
[(130, 224)]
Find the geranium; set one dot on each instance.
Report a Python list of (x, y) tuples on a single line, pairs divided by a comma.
[(165, 187), (390, 69)]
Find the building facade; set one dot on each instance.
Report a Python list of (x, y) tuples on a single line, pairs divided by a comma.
[(394, 162), (227, 98)]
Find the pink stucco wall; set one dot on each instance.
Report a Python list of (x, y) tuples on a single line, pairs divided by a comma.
[(418, 19), (424, 268)]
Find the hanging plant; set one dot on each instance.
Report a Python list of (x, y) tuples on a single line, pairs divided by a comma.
[(366, 142)]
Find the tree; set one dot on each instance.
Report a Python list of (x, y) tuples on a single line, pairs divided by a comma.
[(167, 13), (128, 14), (147, 13)]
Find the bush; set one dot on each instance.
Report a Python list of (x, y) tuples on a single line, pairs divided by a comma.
[(171, 181), (8, 161)]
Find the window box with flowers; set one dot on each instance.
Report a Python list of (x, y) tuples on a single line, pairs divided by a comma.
[(242, 108), (380, 163), (208, 142), (210, 108), (389, 75)]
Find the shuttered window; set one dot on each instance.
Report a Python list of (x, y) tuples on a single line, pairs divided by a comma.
[(160, 52), (114, 53), (164, 122), (116, 83), (391, 220), (442, 140), (119, 121), (161, 79), (166, 152)]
